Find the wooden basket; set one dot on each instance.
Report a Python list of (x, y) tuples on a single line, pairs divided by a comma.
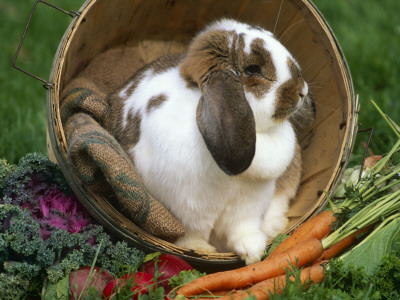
[(159, 27)]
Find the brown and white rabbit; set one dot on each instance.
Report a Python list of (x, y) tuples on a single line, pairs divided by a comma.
[(210, 135)]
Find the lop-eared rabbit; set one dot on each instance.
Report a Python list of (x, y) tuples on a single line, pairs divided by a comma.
[(210, 133)]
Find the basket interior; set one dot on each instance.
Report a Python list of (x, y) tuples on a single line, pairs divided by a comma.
[(145, 30)]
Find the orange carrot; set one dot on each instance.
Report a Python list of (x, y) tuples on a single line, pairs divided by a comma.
[(303, 253), (272, 286), (335, 249), (316, 227), (216, 294)]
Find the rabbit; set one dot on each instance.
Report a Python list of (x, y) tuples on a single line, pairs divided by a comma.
[(210, 133)]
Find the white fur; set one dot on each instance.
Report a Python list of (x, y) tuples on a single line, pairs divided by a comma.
[(274, 151), (179, 171)]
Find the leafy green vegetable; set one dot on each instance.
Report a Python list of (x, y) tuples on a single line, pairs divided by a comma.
[(277, 240), (184, 277), (370, 253), (13, 179), (151, 256), (13, 286), (350, 282), (57, 290), (387, 277), (347, 182), (5, 169)]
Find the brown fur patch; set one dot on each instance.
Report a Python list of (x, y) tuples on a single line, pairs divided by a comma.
[(134, 83), (294, 70), (165, 63), (260, 56), (288, 94), (258, 85), (158, 66), (208, 52), (132, 130), (127, 136), (155, 102)]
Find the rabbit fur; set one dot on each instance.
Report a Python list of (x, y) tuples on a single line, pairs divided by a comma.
[(210, 134)]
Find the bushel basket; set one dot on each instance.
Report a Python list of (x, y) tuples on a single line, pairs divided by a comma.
[(136, 32)]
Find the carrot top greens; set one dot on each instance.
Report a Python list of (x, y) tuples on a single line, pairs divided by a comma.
[(373, 198)]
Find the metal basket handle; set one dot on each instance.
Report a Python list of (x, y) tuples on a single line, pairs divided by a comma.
[(71, 13)]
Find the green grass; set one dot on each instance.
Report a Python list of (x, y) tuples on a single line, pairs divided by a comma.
[(22, 98), (367, 30)]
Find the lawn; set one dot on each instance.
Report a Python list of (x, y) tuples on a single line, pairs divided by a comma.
[(367, 30), (369, 35)]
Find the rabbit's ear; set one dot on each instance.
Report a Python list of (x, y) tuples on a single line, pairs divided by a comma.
[(226, 122)]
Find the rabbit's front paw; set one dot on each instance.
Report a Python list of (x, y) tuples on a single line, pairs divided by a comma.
[(272, 226), (251, 246)]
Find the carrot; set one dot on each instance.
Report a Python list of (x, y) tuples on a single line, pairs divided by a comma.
[(316, 227), (216, 294), (335, 249), (303, 253), (276, 285)]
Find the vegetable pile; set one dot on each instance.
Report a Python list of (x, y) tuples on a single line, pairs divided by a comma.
[(50, 247)]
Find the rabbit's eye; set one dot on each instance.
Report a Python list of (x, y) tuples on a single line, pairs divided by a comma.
[(253, 70)]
